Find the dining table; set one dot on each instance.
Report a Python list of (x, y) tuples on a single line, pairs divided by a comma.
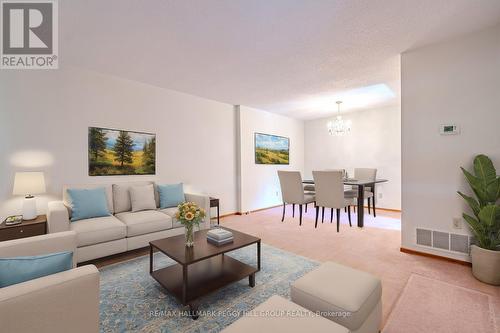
[(360, 184)]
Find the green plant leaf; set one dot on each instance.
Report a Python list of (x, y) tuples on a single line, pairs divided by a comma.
[(476, 185), (473, 204), (484, 169), (489, 215), (477, 230), (493, 190), (473, 223), (486, 186), (496, 241)]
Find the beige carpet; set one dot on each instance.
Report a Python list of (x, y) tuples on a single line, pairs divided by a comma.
[(369, 249), (429, 305)]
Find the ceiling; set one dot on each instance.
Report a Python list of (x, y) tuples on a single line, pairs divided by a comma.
[(293, 57)]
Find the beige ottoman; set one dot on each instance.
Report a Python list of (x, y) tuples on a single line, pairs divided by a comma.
[(344, 295), (280, 315)]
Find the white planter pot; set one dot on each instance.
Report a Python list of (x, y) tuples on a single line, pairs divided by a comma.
[(486, 265)]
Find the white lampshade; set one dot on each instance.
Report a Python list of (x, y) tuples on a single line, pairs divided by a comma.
[(29, 183)]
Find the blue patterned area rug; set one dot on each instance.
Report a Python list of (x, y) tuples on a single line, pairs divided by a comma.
[(132, 301)]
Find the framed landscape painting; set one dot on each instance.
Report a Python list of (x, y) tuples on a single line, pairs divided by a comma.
[(271, 149), (118, 152)]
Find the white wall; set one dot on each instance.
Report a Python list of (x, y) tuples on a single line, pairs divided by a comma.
[(259, 183), (374, 142), (454, 82), (44, 116)]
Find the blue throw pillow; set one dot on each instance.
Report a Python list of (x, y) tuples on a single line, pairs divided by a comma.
[(171, 195), (88, 203), (21, 269)]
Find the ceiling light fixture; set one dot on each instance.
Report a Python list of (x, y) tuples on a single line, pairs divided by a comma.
[(339, 127)]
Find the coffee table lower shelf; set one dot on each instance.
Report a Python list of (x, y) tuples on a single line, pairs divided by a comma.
[(203, 277)]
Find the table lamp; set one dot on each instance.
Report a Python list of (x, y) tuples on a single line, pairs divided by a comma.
[(27, 184)]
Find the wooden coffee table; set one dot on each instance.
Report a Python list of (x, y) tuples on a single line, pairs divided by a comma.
[(203, 268)]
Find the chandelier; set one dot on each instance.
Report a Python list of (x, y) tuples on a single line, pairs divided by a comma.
[(339, 126)]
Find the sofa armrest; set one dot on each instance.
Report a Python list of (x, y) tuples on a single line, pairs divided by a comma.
[(38, 245), (62, 302), (204, 202), (57, 217)]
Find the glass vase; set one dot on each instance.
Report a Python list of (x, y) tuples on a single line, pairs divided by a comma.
[(189, 234)]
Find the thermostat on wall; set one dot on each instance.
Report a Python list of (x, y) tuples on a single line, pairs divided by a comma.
[(449, 129)]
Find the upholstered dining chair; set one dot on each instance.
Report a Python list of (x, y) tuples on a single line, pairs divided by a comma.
[(292, 192), (309, 188), (330, 194), (366, 174), (348, 191)]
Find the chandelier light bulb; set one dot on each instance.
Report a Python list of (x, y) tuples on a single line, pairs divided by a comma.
[(339, 127)]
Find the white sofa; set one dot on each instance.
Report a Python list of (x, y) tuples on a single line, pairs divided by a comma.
[(64, 302), (124, 230)]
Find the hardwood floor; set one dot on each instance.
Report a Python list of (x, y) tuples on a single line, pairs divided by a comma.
[(117, 258)]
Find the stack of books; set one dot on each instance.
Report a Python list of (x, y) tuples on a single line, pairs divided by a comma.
[(219, 236)]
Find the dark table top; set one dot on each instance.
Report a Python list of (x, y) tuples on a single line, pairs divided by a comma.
[(175, 247), (352, 181), (38, 219)]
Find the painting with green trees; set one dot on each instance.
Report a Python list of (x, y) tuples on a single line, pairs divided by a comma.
[(117, 152)]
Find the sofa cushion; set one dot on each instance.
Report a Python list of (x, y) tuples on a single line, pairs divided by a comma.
[(88, 203), (171, 195), (121, 195), (335, 288), (171, 212), (21, 269), (142, 197), (280, 315), (145, 222), (98, 230), (107, 188)]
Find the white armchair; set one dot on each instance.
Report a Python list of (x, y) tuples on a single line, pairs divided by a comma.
[(64, 302)]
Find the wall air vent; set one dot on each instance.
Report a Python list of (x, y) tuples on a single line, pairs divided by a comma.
[(472, 241), (459, 243), (441, 240), (444, 240), (424, 237)]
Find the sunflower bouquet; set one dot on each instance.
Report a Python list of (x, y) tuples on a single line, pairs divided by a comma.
[(190, 215)]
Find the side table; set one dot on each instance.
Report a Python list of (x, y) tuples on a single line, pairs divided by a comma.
[(214, 202), (27, 228)]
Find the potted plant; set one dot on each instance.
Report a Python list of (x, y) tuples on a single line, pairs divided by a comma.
[(190, 215), (485, 224)]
